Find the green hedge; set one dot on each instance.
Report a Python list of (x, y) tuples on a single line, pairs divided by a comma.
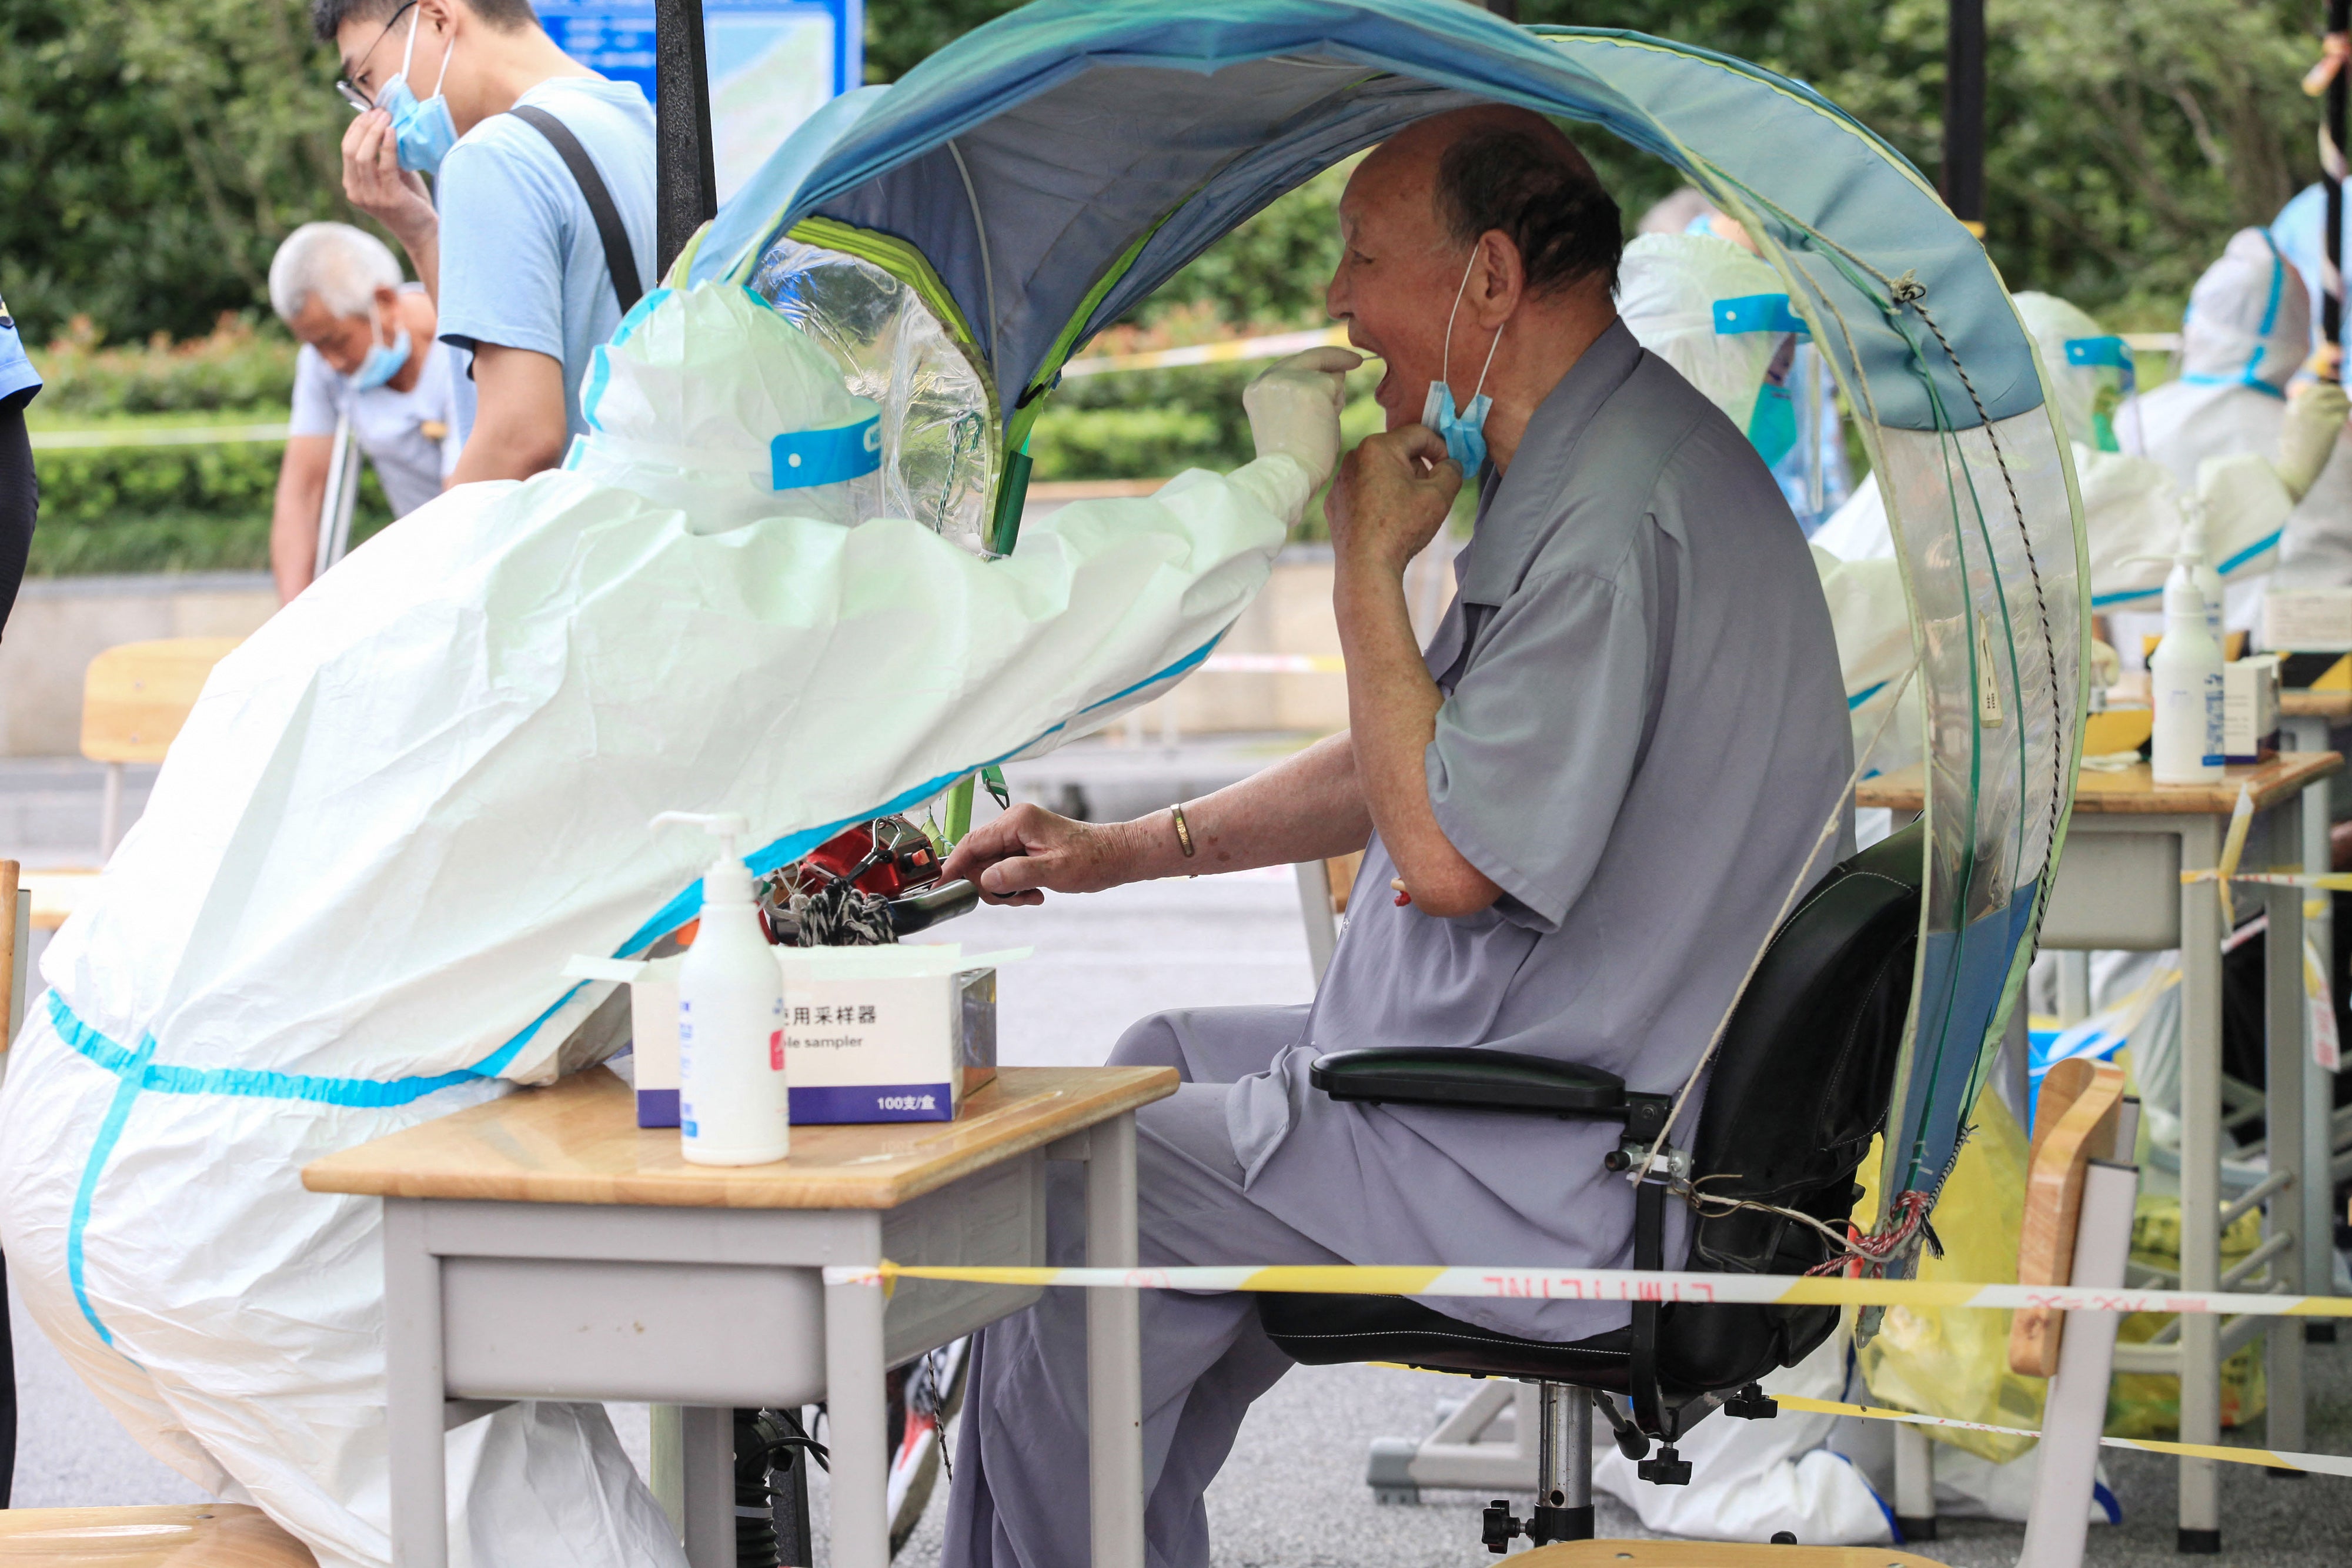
[(235, 367)]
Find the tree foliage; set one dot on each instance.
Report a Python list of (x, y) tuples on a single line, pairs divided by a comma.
[(156, 152)]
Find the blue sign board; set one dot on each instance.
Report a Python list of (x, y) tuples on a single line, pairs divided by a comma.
[(772, 63)]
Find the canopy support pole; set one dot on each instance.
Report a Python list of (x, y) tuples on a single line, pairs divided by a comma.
[(1964, 113), (2331, 299), (686, 192)]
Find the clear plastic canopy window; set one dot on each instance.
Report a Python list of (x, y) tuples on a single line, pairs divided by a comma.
[(964, 232)]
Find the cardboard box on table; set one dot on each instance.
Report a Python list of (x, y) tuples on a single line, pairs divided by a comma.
[(872, 1034)]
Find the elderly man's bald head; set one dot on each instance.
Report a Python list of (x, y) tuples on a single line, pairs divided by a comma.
[(1493, 167)]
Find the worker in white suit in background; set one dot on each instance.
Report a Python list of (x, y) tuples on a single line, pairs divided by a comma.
[(2135, 508), (2245, 335), (1719, 314)]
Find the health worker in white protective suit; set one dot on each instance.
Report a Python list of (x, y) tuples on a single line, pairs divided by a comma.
[(2245, 335), (2134, 508), (404, 804), (1720, 315)]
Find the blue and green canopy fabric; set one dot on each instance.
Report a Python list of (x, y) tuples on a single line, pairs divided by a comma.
[(1042, 174)]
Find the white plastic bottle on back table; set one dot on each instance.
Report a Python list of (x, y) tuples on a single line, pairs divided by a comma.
[(2200, 570), (732, 1105), (2185, 679)]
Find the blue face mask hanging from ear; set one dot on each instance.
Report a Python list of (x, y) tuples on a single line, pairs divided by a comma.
[(423, 132), (1465, 432), (383, 362)]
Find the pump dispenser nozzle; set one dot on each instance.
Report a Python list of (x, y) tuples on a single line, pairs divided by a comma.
[(728, 880)]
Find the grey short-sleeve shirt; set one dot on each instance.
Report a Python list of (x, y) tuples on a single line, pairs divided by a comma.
[(1643, 733)]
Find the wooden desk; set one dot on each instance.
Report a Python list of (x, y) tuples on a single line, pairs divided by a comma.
[(2119, 886), (544, 1247), (201, 1535), (2306, 703)]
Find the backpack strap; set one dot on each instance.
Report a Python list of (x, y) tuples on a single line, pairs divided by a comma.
[(620, 261)]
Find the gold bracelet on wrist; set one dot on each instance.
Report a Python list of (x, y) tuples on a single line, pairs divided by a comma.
[(1183, 830)]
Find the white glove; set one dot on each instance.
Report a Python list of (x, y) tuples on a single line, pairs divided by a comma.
[(2314, 417), (1293, 407)]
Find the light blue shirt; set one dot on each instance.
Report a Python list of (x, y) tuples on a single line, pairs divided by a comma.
[(19, 380), (2300, 231), (522, 264)]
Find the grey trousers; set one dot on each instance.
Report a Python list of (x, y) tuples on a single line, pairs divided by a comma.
[(1019, 1497)]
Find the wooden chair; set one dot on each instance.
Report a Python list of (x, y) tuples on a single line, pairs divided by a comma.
[(199, 1535), (134, 698), (16, 931)]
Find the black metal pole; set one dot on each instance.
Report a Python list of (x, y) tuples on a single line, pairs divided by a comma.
[(686, 186), (1964, 110), (2331, 304)]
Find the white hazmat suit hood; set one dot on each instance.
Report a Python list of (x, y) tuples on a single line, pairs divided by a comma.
[(1674, 291), (400, 808), (1680, 296), (711, 402)]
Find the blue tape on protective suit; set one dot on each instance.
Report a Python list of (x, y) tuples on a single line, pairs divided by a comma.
[(801, 458), (2110, 351), (137, 1071), (1756, 313)]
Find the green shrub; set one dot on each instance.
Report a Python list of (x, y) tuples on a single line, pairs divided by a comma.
[(232, 369), (85, 487), (134, 542)]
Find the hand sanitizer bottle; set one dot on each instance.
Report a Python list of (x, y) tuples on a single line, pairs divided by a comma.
[(732, 1108), (2185, 679)]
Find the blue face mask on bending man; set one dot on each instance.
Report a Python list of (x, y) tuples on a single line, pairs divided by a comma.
[(383, 360), (1465, 432)]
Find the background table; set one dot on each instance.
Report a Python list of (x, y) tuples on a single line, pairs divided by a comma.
[(2119, 886), (544, 1247)]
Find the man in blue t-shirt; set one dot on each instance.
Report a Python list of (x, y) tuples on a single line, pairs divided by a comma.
[(19, 495), (512, 256)]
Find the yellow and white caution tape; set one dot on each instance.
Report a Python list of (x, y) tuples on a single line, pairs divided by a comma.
[(1613, 1285), (1231, 351), (2331, 881), (2274, 1459), (185, 435), (2234, 848), (1274, 665)]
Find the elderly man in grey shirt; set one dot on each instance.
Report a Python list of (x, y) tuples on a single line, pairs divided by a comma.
[(1593, 792)]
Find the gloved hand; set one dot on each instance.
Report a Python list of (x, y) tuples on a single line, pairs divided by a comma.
[(2314, 418), (1293, 407)]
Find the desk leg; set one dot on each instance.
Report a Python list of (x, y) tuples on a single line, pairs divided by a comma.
[(2201, 1181), (2316, 1228), (2286, 1053), (857, 1414), (707, 1495), (414, 1390), (1114, 1352)]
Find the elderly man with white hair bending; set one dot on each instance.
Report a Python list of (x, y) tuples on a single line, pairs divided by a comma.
[(369, 355)]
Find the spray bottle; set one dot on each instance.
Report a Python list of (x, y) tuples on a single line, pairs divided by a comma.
[(732, 1107), (2185, 675)]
